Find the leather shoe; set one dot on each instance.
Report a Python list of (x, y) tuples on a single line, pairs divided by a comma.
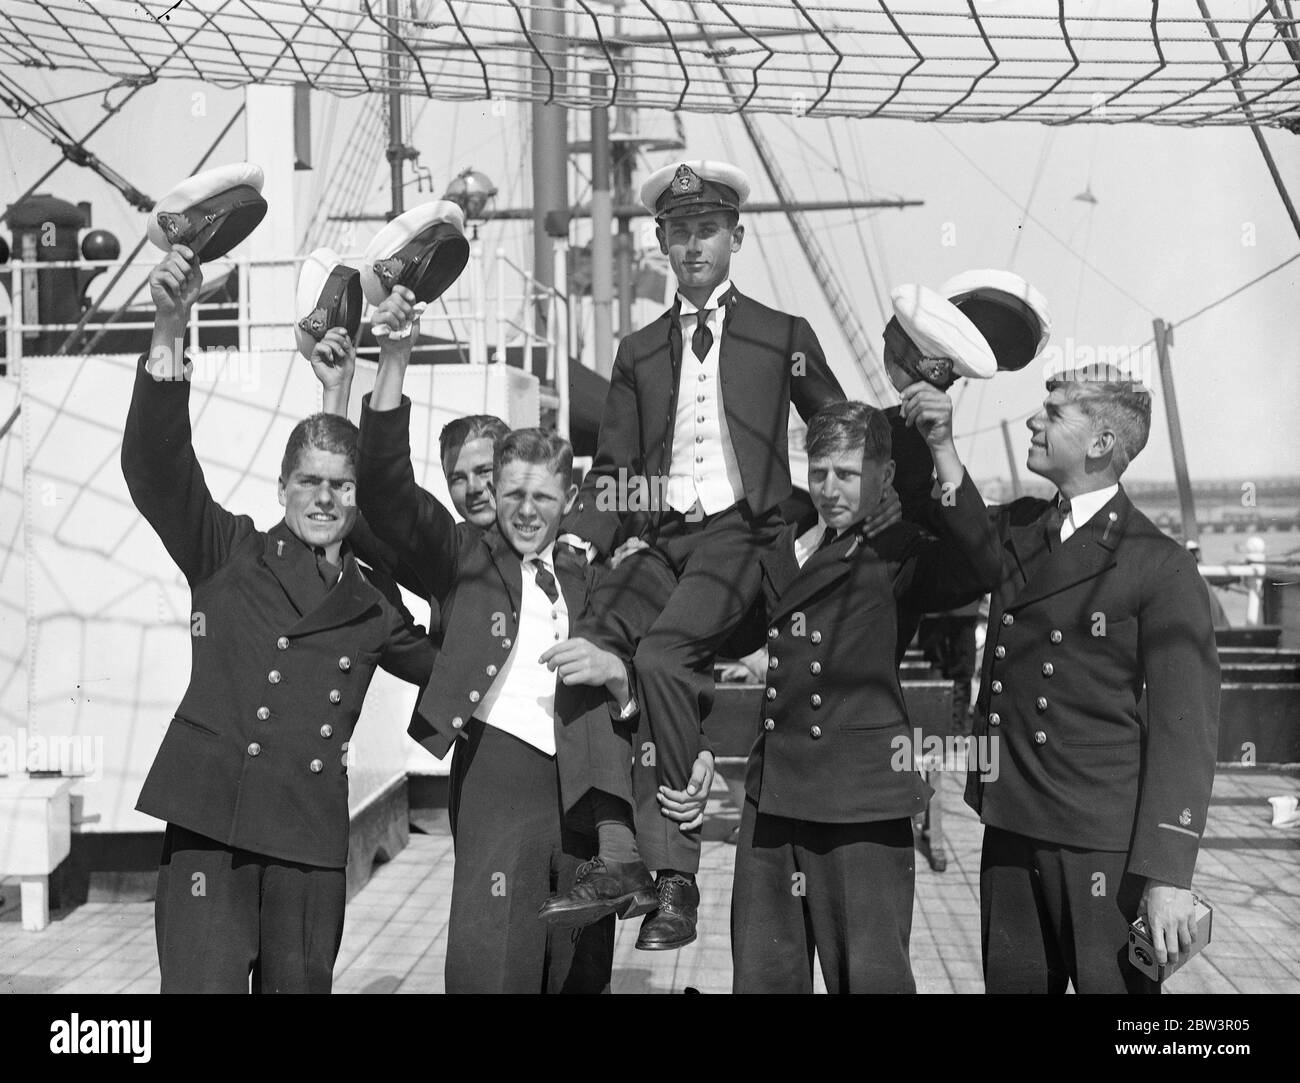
[(673, 924), (625, 888)]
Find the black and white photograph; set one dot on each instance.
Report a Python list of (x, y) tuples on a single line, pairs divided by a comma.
[(651, 497)]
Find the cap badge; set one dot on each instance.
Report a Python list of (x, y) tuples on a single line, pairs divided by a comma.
[(1185, 817), (686, 182)]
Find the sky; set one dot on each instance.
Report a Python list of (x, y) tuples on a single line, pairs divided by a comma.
[(1182, 217)]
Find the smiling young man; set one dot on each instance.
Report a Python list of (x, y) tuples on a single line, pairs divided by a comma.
[(824, 860), (1101, 682), (522, 702), (697, 414), (251, 776)]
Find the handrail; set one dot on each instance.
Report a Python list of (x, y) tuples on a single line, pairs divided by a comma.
[(464, 306)]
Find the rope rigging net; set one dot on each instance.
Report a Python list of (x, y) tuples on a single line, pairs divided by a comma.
[(1156, 63)]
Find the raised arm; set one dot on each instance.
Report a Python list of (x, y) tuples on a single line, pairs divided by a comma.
[(158, 461), (402, 514), (334, 363), (965, 560)]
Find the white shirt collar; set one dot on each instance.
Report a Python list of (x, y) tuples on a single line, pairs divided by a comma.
[(715, 301), (1084, 506)]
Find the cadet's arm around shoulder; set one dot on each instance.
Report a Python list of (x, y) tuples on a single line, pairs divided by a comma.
[(1180, 663)]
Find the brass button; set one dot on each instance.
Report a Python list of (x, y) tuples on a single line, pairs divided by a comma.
[(316, 767), (815, 700), (274, 676), (699, 398), (335, 695), (700, 419), (1040, 738), (772, 633), (474, 697), (771, 693), (283, 643), (1008, 620), (1048, 669), (505, 644), (995, 719), (699, 439), (816, 637), (1041, 703), (344, 746), (814, 668), (1055, 636), (491, 671), (327, 731), (999, 651), (457, 722), (254, 749), (816, 732), (769, 724), (263, 713), (773, 662), (345, 663), (996, 687)]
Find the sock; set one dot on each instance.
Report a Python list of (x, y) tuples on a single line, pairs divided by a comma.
[(615, 838)]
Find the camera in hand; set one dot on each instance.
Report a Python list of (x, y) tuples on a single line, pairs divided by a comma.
[(1142, 952)]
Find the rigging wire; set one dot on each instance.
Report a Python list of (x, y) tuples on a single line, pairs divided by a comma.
[(1048, 139), (1151, 341), (876, 292), (1043, 226), (778, 292)]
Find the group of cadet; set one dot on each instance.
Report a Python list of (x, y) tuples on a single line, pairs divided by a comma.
[(568, 663)]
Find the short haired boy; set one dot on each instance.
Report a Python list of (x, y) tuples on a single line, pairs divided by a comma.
[(252, 774), (521, 825), (824, 861), (1101, 682)]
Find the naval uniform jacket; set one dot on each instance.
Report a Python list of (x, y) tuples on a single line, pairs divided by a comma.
[(767, 360), (255, 756), (833, 709), (480, 580), (1101, 682)]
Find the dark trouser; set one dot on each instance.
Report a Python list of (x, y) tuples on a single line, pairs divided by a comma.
[(1051, 914), (514, 849), (670, 607), (222, 914), (844, 890)]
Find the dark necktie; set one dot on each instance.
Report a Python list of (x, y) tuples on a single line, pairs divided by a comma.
[(702, 339), (325, 568), (1056, 516), (546, 581), (827, 539)]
